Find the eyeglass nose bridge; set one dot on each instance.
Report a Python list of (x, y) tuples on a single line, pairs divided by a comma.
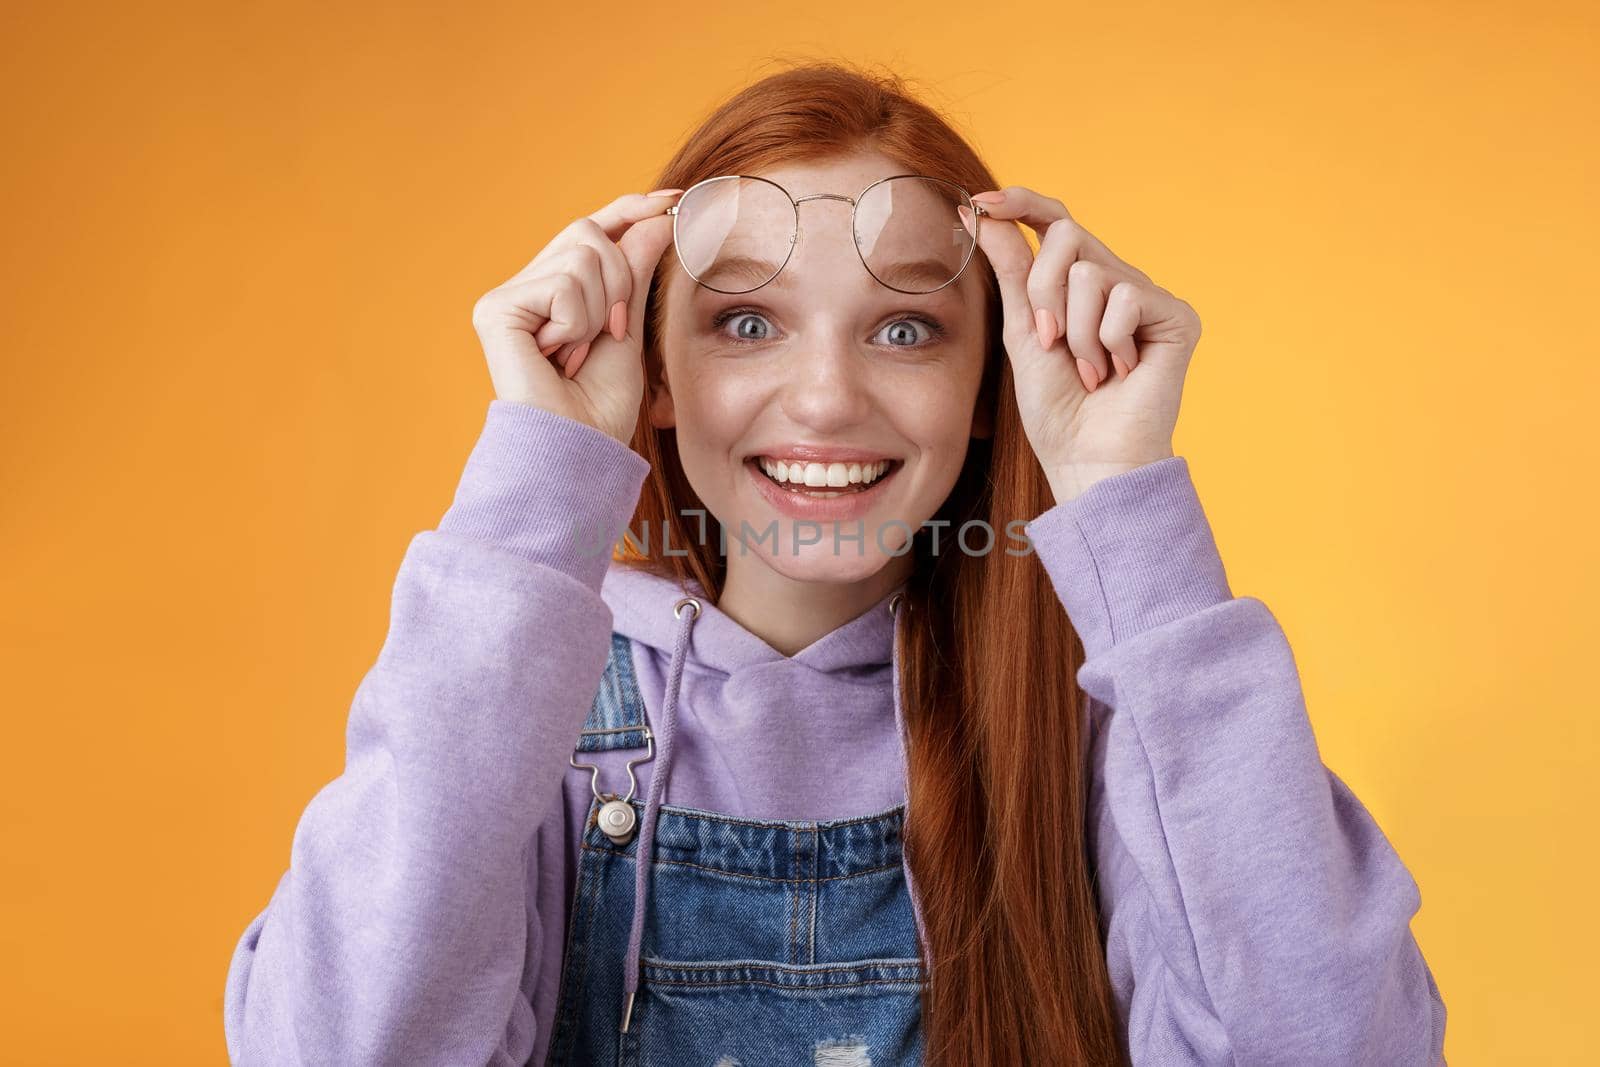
[(826, 196), (798, 200)]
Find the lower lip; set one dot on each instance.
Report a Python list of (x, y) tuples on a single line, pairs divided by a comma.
[(799, 505)]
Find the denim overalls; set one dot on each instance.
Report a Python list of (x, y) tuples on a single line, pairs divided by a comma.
[(751, 943)]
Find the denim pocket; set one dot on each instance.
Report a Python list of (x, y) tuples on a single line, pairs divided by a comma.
[(764, 943), (779, 942), (752, 1014)]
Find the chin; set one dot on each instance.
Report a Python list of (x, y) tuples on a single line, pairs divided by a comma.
[(819, 563)]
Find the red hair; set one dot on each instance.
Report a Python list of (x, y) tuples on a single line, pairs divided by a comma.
[(1017, 964)]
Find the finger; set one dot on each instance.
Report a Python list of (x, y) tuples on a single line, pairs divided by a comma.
[(616, 276), (1135, 306), (551, 306), (582, 263), (624, 211), (1039, 213), (579, 354), (1087, 285), (1118, 326), (1011, 259), (506, 320), (612, 220), (642, 246), (1048, 291)]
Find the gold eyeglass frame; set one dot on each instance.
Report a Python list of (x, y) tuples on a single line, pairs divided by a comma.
[(794, 233)]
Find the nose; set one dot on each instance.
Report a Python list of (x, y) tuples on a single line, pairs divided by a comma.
[(824, 385), (826, 380)]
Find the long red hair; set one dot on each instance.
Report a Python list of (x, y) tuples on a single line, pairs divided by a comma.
[(1016, 959)]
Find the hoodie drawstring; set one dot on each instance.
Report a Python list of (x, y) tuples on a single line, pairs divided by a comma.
[(658, 786), (652, 805)]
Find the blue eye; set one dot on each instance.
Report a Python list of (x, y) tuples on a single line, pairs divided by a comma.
[(934, 330), (752, 327)]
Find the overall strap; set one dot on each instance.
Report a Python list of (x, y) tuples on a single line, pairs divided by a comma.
[(617, 719)]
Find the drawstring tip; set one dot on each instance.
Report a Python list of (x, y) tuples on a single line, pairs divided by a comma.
[(627, 1013)]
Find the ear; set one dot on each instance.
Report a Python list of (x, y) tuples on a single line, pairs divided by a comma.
[(662, 416)]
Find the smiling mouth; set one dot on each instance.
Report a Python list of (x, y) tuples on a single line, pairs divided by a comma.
[(853, 474)]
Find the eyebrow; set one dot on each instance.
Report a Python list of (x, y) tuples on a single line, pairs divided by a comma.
[(925, 273), (732, 271)]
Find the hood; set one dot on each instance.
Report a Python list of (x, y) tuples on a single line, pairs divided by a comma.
[(817, 735), (641, 605)]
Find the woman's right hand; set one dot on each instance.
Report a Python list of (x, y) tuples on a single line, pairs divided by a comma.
[(566, 332)]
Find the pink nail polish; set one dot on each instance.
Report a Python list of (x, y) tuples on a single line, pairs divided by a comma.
[(1086, 371), (1045, 322), (579, 354), (965, 214), (551, 347), (619, 320), (664, 192), (994, 197)]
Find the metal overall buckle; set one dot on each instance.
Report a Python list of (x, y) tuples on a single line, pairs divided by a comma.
[(616, 817)]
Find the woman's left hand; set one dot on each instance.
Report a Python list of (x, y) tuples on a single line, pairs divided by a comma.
[(1098, 351)]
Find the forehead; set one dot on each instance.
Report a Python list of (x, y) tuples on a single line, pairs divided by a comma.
[(845, 175)]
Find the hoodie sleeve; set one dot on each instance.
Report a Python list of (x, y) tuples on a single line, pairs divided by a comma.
[(400, 931), (1253, 910)]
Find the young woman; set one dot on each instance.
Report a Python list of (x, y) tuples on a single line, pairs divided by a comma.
[(803, 773)]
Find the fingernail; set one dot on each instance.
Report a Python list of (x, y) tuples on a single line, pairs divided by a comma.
[(619, 320), (549, 348), (966, 219), (1123, 370), (990, 198), (575, 361), (664, 192), (1086, 371), (1045, 323)]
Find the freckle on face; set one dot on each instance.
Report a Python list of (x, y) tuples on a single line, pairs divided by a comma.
[(727, 400)]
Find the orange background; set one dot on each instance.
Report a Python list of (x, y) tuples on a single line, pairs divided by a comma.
[(242, 244)]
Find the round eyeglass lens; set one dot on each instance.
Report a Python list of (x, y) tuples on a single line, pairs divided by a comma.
[(734, 234), (910, 236)]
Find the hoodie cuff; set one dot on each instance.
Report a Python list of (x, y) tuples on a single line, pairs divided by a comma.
[(547, 487), (1131, 553)]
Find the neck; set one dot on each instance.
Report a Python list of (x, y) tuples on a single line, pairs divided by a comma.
[(791, 614)]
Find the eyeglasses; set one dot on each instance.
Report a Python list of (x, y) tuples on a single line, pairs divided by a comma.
[(735, 232)]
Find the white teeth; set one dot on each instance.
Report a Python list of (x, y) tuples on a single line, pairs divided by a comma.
[(822, 475)]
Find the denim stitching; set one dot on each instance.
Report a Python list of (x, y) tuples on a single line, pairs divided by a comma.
[(583, 961), (888, 817), (815, 859), (740, 874), (780, 985), (794, 907)]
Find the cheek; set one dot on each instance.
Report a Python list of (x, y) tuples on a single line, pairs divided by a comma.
[(714, 413), (939, 406), (937, 416)]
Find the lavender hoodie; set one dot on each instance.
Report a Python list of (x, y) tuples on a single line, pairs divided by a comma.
[(1254, 912)]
